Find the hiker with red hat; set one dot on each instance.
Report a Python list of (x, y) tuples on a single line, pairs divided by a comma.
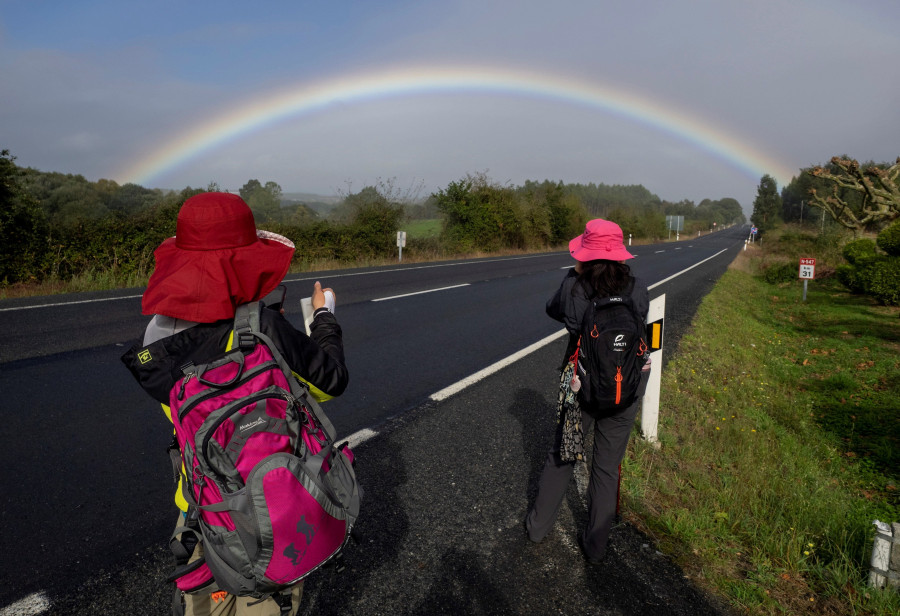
[(217, 261), (600, 274)]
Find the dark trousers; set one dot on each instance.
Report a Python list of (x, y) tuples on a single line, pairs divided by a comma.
[(611, 434)]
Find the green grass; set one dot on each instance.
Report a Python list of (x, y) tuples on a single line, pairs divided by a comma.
[(779, 446), (418, 229)]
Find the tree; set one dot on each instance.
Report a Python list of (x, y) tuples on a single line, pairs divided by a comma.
[(767, 205), (23, 232), (481, 215), (877, 185), (264, 201)]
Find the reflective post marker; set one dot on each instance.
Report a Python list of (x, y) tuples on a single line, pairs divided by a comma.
[(650, 401)]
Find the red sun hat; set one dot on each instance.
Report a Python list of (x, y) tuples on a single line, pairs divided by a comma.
[(602, 239), (216, 261)]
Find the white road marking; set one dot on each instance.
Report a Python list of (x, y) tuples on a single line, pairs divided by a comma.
[(384, 299), (484, 373), (318, 276), (359, 437), (481, 374), (83, 301), (34, 604), (656, 284), (31, 605)]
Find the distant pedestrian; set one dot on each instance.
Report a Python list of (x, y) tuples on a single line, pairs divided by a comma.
[(600, 271)]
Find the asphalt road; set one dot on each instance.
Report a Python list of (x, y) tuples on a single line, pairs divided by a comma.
[(88, 507)]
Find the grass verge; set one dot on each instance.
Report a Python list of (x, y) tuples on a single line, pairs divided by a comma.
[(779, 446)]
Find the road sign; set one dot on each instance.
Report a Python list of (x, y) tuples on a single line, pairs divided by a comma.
[(807, 268), (401, 239), (753, 230)]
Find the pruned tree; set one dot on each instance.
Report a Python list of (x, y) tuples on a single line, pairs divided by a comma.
[(877, 185)]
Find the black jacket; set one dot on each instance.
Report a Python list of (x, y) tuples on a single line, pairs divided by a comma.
[(569, 308), (317, 359)]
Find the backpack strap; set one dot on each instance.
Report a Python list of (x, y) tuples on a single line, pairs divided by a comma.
[(246, 321), (247, 331)]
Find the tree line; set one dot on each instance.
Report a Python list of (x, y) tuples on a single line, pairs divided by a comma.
[(56, 226)]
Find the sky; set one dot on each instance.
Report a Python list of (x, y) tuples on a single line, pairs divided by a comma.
[(692, 99)]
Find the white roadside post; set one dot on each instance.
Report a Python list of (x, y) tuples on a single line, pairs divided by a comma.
[(807, 272), (650, 404), (401, 242), (879, 571)]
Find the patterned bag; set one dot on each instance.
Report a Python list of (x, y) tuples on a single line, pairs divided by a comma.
[(568, 413)]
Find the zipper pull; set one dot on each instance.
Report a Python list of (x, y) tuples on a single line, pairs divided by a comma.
[(184, 382)]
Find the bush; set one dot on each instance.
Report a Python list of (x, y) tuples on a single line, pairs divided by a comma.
[(781, 272), (859, 250), (889, 239), (850, 278), (883, 280)]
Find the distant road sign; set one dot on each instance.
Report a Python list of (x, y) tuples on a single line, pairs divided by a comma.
[(753, 230), (807, 268)]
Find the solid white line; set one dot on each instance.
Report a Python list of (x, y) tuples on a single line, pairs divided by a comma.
[(29, 606), (83, 301), (481, 374), (384, 299)]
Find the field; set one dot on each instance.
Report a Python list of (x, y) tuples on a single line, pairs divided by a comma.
[(779, 443)]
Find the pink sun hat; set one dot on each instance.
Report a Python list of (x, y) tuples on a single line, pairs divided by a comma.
[(602, 239)]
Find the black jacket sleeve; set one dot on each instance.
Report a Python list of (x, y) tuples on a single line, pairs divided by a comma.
[(318, 358)]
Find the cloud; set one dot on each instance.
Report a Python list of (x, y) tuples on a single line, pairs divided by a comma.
[(800, 80)]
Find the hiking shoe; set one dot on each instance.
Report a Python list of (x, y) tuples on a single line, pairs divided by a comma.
[(527, 534), (590, 560)]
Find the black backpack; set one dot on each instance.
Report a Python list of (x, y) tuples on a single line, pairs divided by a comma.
[(611, 353)]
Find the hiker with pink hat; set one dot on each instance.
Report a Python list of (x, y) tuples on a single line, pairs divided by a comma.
[(599, 277), (217, 261)]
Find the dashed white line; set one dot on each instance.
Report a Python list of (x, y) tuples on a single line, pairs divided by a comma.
[(29, 606), (318, 276), (34, 604), (484, 373), (656, 284), (359, 437), (481, 374), (384, 299)]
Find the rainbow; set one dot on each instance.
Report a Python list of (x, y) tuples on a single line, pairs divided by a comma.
[(306, 99)]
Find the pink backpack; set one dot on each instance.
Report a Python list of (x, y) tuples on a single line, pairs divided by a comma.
[(272, 496)]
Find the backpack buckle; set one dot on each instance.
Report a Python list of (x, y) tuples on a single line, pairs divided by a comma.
[(246, 341)]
